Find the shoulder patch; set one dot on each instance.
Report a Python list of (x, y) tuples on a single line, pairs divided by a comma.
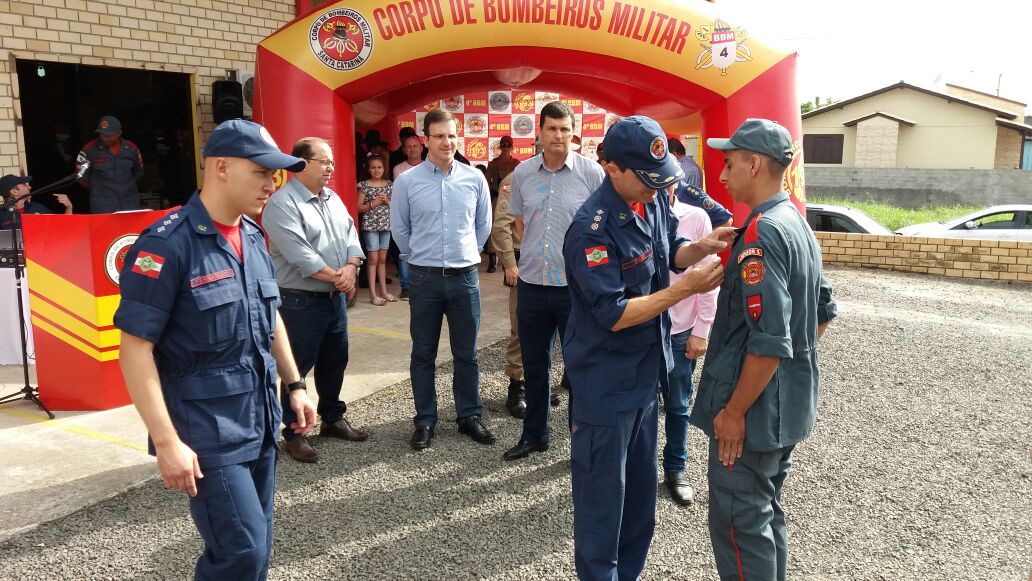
[(754, 304), (753, 272), (596, 256), (754, 251), (148, 264)]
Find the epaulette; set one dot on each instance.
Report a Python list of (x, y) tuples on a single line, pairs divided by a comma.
[(598, 220), (694, 191), (164, 227), (258, 230)]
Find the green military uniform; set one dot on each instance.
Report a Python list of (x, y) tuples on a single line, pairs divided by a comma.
[(772, 300)]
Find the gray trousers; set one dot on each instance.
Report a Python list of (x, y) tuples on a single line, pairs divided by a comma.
[(746, 521)]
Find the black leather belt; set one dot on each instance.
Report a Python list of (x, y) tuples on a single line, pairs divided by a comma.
[(307, 293), (445, 271)]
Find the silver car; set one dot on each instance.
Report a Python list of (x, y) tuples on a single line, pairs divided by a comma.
[(829, 218), (1012, 222)]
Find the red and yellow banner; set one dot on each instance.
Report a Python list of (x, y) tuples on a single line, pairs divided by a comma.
[(73, 264)]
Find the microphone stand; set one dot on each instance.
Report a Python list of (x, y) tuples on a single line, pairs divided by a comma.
[(28, 391)]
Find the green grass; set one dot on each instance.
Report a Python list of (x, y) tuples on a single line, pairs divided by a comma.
[(895, 218)]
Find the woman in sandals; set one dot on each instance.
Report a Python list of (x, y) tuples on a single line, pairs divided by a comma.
[(374, 199)]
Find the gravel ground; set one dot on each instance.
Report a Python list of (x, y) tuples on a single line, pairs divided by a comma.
[(919, 468)]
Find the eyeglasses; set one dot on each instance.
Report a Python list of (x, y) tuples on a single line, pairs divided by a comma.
[(324, 162)]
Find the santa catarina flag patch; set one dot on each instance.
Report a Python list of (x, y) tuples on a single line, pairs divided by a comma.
[(148, 264), (596, 256)]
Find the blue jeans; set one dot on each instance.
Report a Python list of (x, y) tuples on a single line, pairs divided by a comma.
[(434, 296), (403, 273), (540, 312), (676, 397), (318, 331)]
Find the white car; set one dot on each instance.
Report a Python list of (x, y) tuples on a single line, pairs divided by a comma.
[(829, 218), (1012, 222)]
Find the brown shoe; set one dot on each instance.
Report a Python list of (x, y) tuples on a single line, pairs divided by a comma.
[(300, 450), (343, 430)]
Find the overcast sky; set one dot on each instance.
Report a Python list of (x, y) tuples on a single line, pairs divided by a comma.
[(853, 47)]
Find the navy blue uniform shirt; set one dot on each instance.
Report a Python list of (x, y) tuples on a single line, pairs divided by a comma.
[(612, 256), (8, 219), (695, 196), (112, 176), (211, 319)]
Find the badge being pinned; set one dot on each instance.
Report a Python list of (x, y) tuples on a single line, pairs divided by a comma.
[(752, 272), (148, 264), (755, 305), (596, 256)]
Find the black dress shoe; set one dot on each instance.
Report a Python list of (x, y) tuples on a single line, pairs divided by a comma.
[(516, 402), (421, 438), (679, 488), (523, 449), (474, 427), (492, 262)]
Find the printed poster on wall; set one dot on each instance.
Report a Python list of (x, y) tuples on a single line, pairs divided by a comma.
[(499, 102)]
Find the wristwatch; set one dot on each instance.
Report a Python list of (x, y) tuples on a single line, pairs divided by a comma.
[(299, 384)]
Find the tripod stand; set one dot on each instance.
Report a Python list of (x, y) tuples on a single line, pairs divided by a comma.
[(17, 261)]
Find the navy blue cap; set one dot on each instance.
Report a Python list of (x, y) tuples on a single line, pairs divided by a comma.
[(108, 125), (9, 181), (638, 143), (761, 136), (246, 139)]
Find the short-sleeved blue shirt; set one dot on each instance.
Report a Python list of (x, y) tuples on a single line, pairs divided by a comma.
[(613, 256), (211, 317)]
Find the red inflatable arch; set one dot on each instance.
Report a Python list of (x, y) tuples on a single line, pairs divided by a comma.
[(680, 62)]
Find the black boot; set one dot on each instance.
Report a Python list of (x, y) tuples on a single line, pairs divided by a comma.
[(492, 261), (517, 400)]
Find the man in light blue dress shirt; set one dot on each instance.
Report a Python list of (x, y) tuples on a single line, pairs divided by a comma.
[(440, 219)]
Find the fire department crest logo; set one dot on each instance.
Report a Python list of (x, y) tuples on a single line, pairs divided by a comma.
[(658, 148), (342, 39), (794, 182), (114, 258), (722, 46)]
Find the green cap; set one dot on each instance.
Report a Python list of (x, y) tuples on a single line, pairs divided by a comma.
[(761, 136)]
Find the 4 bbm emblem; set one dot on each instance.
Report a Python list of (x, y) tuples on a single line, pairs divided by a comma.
[(114, 258), (341, 39)]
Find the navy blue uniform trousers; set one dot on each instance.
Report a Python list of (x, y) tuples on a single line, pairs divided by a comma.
[(614, 494), (233, 512)]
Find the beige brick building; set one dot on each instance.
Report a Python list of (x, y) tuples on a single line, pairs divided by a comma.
[(199, 39), (905, 126)]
